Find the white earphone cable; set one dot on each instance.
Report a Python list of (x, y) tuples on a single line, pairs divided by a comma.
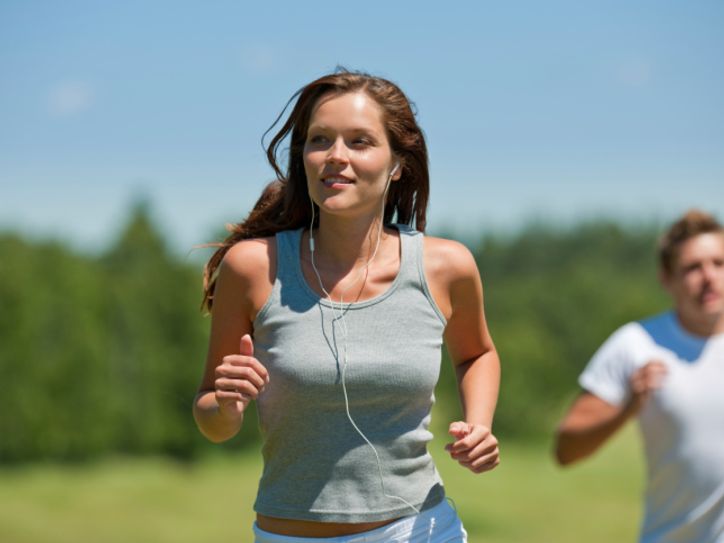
[(339, 317)]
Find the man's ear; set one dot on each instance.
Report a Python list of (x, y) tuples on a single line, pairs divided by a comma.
[(665, 279)]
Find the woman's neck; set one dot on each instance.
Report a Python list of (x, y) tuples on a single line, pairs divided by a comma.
[(344, 244)]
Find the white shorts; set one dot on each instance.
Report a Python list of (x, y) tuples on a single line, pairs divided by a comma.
[(439, 524)]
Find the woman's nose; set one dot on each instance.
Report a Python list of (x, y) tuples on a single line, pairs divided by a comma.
[(337, 151)]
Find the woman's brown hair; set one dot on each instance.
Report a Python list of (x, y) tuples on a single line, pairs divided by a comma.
[(285, 203)]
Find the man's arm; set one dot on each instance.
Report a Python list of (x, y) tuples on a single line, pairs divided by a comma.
[(591, 421), (588, 424)]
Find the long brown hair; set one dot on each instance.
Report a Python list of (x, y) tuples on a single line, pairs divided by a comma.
[(285, 203)]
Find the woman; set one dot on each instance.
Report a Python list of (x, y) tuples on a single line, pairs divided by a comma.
[(334, 323)]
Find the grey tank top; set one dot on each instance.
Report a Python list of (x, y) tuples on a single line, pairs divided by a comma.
[(316, 466)]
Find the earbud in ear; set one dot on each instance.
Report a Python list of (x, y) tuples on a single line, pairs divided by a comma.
[(394, 169)]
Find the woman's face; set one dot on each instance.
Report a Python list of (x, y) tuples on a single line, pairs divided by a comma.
[(347, 155)]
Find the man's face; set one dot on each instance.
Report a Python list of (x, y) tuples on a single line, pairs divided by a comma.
[(696, 280)]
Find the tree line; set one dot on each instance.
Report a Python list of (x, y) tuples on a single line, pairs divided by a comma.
[(102, 354)]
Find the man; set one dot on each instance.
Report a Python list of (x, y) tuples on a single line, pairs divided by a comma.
[(668, 371)]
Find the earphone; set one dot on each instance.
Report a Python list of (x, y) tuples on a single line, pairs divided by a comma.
[(339, 317)]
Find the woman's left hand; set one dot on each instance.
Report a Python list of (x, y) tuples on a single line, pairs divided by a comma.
[(475, 447)]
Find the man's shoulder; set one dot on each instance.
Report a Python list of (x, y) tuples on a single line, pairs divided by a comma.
[(611, 366), (629, 344), (660, 321), (632, 332), (642, 329)]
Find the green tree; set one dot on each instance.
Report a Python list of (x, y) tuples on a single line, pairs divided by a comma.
[(103, 354)]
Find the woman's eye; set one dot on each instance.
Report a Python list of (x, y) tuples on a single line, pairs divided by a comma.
[(317, 139)]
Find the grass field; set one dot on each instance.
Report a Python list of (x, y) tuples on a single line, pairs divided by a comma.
[(527, 499)]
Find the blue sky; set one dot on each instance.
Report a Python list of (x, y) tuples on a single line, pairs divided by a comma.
[(556, 110)]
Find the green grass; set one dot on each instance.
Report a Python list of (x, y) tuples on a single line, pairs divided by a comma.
[(529, 499), (526, 499)]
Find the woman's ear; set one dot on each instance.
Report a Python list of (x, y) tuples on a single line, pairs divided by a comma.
[(396, 171)]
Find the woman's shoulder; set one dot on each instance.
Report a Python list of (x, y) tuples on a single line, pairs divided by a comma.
[(451, 273), (250, 259), (448, 258), (246, 275)]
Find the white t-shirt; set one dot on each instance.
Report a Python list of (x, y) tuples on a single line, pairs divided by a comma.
[(682, 424)]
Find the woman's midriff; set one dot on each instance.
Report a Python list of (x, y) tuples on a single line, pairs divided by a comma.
[(308, 528)]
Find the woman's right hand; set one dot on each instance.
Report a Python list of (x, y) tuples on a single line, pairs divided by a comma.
[(239, 379)]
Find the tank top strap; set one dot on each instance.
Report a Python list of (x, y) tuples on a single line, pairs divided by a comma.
[(288, 254), (411, 253), (411, 272)]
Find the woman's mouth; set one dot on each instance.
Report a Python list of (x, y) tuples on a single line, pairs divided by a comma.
[(331, 181)]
